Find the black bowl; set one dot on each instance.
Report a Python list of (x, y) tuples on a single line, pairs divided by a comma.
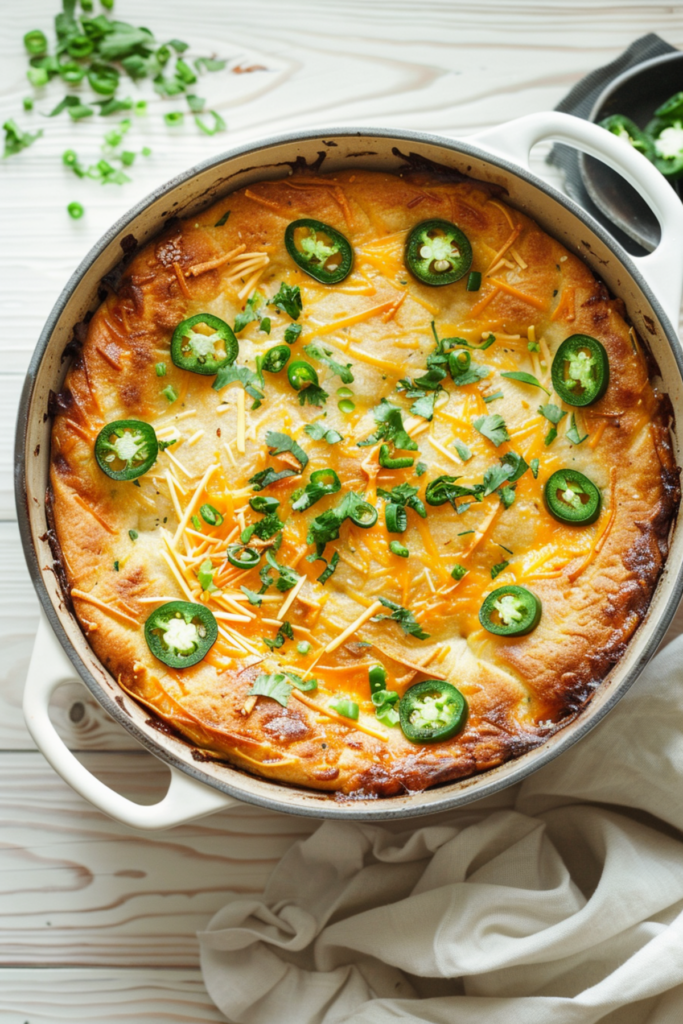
[(636, 93)]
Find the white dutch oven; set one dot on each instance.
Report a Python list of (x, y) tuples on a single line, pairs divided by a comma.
[(650, 287)]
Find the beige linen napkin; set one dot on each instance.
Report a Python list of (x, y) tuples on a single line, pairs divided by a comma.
[(561, 901)]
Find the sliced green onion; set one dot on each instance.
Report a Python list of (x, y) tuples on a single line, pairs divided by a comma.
[(28, 103), (303, 647), (36, 42), (345, 707), (397, 548), (211, 515), (170, 393), (474, 281), (37, 77), (133, 534), (174, 118), (160, 369), (76, 211)]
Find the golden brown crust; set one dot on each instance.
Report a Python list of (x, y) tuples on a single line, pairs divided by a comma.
[(595, 582)]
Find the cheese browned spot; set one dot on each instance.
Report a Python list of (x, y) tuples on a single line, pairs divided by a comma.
[(595, 582)]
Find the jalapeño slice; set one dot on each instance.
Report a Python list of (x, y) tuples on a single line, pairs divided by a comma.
[(125, 449), (276, 358), (203, 353), (432, 711), (319, 249), (180, 633), (510, 611), (300, 374), (243, 558), (580, 370), (327, 480), (363, 514), (572, 498), (437, 252)]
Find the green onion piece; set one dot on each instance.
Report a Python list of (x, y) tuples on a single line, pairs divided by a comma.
[(146, 151), (116, 566), (133, 534), (211, 515), (265, 325), (534, 464), (170, 393), (303, 647), (37, 77), (377, 675), (76, 211), (87, 5), (69, 158), (397, 548), (458, 571), (108, 4), (346, 405), (160, 369), (28, 103), (474, 281), (345, 707), (493, 397), (223, 220), (36, 42), (174, 118), (197, 523), (292, 332)]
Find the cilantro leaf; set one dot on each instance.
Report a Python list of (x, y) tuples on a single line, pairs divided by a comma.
[(507, 495), (492, 427), (516, 463), (389, 428), (288, 299), (444, 488), (325, 356), (573, 433), (244, 376), (287, 577), (205, 576), (404, 495), (251, 311), (292, 333), (313, 394), (525, 378), (424, 406), (462, 449), (331, 566), (264, 529), (284, 443), (319, 432), (269, 476), (273, 685), (551, 412), (251, 596), (421, 469), (16, 140), (494, 477), (404, 617)]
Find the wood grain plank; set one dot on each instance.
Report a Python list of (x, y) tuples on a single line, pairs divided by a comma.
[(77, 888), (119, 996)]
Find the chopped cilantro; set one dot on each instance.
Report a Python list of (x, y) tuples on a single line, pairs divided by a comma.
[(292, 333), (525, 378), (462, 449), (250, 312), (251, 596), (324, 355), (573, 434), (404, 617), (288, 299), (389, 428), (331, 566), (223, 220), (492, 427), (319, 432), (284, 443), (458, 571)]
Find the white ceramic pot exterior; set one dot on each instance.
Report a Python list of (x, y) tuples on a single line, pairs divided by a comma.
[(650, 287)]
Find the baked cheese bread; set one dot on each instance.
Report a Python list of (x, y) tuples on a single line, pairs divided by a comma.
[(359, 482)]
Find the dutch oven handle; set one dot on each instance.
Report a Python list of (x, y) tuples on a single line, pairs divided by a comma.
[(185, 798), (663, 268)]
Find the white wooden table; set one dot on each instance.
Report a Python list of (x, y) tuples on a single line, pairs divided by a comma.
[(97, 922)]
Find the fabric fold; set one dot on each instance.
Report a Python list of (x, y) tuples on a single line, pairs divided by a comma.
[(565, 906)]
